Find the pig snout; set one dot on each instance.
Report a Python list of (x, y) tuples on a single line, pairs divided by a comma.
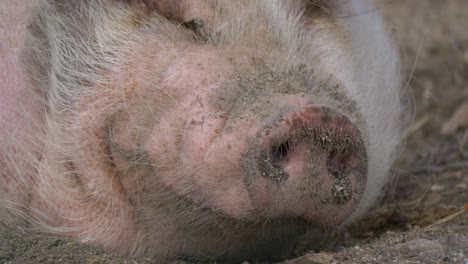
[(309, 162)]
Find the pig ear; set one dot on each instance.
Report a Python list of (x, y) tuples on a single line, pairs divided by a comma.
[(196, 15)]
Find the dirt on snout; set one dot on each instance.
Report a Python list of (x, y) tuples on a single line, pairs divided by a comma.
[(424, 217)]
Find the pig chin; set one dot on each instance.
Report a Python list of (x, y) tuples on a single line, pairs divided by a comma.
[(283, 157)]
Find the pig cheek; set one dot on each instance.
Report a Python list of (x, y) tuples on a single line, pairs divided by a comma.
[(212, 151), (190, 161)]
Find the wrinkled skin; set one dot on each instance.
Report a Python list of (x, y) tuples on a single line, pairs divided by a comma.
[(202, 129)]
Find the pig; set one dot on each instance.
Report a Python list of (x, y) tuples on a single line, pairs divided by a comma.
[(211, 129)]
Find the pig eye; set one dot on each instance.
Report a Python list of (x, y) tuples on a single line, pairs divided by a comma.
[(194, 24), (279, 153)]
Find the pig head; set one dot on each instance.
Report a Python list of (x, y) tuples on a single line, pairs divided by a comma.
[(221, 129)]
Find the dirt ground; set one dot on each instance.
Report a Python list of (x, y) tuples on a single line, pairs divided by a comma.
[(422, 219)]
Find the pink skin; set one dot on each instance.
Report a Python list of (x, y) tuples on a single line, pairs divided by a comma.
[(17, 107)]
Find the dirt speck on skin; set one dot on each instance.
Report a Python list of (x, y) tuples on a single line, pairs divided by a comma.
[(421, 220)]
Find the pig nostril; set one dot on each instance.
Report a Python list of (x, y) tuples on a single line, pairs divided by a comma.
[(271, 163), (279, 154)]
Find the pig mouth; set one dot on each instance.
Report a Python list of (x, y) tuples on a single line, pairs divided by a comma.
[(310, 163)]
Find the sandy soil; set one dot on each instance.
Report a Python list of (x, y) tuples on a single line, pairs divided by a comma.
[(422, 219)]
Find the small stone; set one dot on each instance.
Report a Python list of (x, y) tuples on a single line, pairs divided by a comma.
[(339, 248), (437, 188), (420, 246)]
